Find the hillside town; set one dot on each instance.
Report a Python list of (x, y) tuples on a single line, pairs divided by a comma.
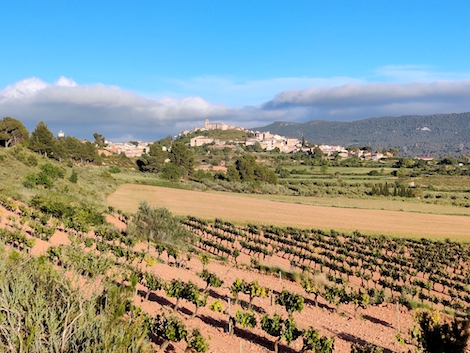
[(270, 142), (130, 149), (264, 140)]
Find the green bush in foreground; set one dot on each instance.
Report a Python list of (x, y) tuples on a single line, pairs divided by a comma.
[(42, 312)]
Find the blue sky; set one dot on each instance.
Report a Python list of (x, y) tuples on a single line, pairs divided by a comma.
[(146, 69)]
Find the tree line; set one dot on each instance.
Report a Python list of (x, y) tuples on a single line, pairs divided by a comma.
[(42, 141)]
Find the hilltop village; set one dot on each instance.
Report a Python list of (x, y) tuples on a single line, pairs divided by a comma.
[(262, 140)]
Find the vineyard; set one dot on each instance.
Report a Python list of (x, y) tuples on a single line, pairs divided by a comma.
[(429, 272), (263, 287)]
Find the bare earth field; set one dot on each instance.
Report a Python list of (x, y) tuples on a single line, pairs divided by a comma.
[(242, 209), (376, 324)]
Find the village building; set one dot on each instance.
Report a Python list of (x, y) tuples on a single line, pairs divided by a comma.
[(330, 150), (129, 149), (425, 158), (200, 141), (219, 126)]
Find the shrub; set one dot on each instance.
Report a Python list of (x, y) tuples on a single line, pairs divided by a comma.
[(114, 170), (435, 337), (74, 177), (52, 171)]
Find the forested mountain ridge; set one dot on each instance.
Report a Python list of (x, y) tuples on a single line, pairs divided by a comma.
[(436, 135)]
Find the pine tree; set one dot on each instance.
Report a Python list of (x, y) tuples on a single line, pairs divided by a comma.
[(12, 132), (42, 139)]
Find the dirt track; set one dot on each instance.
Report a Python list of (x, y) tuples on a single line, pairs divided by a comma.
[(237, 208)]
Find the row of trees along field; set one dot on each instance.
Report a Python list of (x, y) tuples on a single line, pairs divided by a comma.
[(244, 169), (13, 132), (111, 254), (173, 160)]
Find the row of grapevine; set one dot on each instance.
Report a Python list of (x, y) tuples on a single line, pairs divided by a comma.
[(410, 269)]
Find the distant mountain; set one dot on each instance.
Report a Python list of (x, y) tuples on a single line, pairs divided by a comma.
[(435, 135)]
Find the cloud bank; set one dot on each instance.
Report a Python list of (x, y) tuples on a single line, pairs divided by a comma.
[(81, 110), (356, 101)]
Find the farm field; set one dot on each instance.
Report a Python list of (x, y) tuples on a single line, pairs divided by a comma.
[(378, 324), (400, 269), (369, 204), (242, 209)]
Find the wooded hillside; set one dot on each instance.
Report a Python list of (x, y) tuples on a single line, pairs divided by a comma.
[(436, 135)]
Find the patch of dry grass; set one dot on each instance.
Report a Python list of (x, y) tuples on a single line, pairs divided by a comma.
[(406, 205), (241, 209)]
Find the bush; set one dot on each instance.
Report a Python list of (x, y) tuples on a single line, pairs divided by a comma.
[(31, 161), (36, 293), (30, 181), (52, 171), (114, 170), (74, 177), (172, 172), (434, 337), (158, 225)]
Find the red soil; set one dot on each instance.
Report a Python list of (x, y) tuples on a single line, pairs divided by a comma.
[(378, 325)]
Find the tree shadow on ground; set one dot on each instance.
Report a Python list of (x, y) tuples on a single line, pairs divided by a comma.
[(244, 304), (184, 310), (312, 303), (155, 298), (261, 341), (214, 322), (354, 339), (216, 295), (158, 341), (160, 300), (246, 335), (377, 321)]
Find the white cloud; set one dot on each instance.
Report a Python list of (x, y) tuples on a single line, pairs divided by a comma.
[(250, 92), (22, 89), (65, 82), (375, 95), (81, 110)]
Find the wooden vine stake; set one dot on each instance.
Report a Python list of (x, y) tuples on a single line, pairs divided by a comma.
[(230, 319), (398, 317)]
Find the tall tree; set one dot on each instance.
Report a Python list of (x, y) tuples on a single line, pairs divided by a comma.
[(12, 132), (100, 141), (154, 161), (156, 150), (68, 147), (42, 139), (180, 156), (158, 225), (71, 148), (246, 169)]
